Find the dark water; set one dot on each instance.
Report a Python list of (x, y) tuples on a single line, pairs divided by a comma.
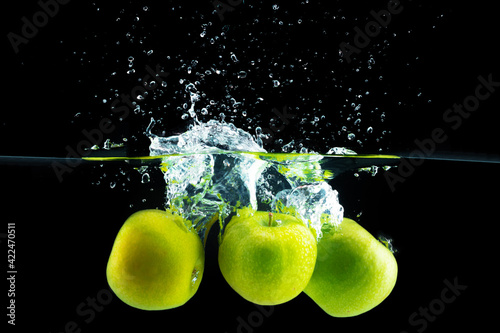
[(440, 219)]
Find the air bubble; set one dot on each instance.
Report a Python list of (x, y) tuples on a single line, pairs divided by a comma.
[(145, 178), (194, 276)]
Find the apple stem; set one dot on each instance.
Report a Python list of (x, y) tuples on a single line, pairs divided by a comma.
[(270, 218)]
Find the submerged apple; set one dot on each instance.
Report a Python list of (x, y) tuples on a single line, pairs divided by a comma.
[(267, 258), (354, 271), (156, 262)]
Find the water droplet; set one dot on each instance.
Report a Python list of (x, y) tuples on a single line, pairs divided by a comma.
[(191, 89), (351, 136), (152, 84), (276, 83)]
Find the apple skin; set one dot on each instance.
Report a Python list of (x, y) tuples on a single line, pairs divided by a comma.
[(354, 271), (267, 265), (154, 260)]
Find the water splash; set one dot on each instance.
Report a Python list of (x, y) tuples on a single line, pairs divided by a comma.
[(317, 203), (387, 242), (211, 137), (217, 168)]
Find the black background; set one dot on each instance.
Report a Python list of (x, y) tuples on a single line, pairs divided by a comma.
[(442, 218)]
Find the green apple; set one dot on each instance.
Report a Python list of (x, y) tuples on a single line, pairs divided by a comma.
[(267, 258), (156, 262), (354, 271)]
